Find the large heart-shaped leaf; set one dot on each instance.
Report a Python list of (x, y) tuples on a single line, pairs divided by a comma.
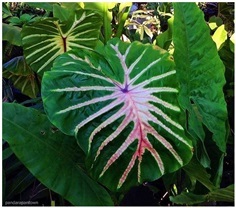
[(52, 157), (123, 110), (43, 41)]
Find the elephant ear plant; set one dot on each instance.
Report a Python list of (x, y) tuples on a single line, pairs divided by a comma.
[(131, 113), (122, 108), (46, 39)]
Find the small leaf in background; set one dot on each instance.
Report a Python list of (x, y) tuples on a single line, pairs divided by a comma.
[(104, 9), (52, 157), (215, 22), (123, 13), (148, 31), (123, 6), (220, 36), (5, 11), (15, 21), (223, 194), (122, 107), (47, 6), (188, 198), (26, 18), (196, 170), (22, 76), (217, 195), (164, 39), (11, 34), (44, 40)]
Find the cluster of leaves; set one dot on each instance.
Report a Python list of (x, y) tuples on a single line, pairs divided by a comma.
[(133, 123)]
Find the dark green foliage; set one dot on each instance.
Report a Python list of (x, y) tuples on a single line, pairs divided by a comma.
[(44, 165)]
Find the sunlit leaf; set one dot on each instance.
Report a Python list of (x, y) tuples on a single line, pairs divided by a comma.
[(44, 40), (220, 36), (215, 22)]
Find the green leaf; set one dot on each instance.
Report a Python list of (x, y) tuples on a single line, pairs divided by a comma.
[(103, 9), (220, 36), (6, 153), (219, 195), (188, 198), (123, 13), (201, 74), (215, 22), (26, 18), (52, 157), (148, 31), (223, 194), (72, 6), (15, 21), (11, 34), (164, 39), (5, 11), (61, 13), (44, 40), (231, 44), (122, 107), (22, 76), (21, 180), (196, 170), (123, 7), (47, 6)]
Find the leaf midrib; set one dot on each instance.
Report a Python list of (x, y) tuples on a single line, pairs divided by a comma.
[(38, 139), (54, 149)]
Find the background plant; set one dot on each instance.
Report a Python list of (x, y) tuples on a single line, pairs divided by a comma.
[(186, 185)]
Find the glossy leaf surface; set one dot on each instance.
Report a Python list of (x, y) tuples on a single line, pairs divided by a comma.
[(52, 157), (220, 36), (122, 107), (44, 40), (201, 74)]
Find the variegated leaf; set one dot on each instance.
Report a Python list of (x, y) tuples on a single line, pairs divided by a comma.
[(43, 41), (122, 107)]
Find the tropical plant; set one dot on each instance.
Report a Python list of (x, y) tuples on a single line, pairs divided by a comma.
[(130, 115), (111, 115)]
